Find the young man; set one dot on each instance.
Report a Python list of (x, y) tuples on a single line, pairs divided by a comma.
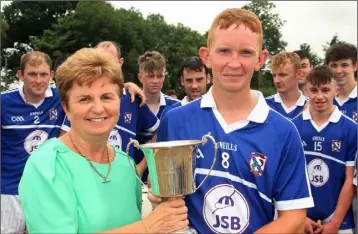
[(133, 119), (305, 69), (171, 93), (195, 77), (342, 59), (259, 166), (286, 70), (330, 144), (152, 71), (30, 115)]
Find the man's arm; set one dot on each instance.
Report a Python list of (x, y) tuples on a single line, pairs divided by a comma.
[(134, 90), (288, 221), (344, 202)]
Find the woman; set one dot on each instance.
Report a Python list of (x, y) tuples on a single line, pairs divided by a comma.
[(77, 183)]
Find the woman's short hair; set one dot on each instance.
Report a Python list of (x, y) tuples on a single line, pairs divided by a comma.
[(84, 67)]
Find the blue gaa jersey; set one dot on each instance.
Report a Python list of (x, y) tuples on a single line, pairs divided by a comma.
[(355, 179), (329, 149), (132, 120), (349, 105), (178, 104), (259, 166), (24, 127), (276, 103)]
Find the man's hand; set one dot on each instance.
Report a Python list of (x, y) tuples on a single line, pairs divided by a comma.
[(312, 227), (330, 228), (134, 90)]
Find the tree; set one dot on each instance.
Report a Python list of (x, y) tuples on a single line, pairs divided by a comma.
[(333, 41), (313, 57), (24, 22), (271, 26)]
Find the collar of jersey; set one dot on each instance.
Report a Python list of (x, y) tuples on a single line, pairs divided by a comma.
[(184, 101), (300, 102), (353, 94), (48, 92), (334, 118), (258, 114), (162, 101)]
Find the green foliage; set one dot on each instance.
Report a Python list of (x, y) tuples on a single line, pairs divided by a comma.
[(333, 41), (313, 57)]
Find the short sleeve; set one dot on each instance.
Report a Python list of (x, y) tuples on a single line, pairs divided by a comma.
[(66, 125), (47, 197), (291, 187), (148, 123), (352, 145)]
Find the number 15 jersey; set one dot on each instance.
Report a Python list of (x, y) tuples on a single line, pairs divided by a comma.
[(329, 149)]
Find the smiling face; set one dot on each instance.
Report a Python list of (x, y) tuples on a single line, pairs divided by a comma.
[(93, 110), (343, 70), (233, 55), (36, 81)]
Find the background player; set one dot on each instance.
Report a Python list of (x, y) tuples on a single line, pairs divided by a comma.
[(30, 115), (194, 76), (330, 143), (286, 70)]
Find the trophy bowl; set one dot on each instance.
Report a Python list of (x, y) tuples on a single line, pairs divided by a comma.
[(172, 165)]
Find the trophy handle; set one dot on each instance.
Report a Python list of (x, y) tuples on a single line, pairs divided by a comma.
[(136, 144), (204, 140)]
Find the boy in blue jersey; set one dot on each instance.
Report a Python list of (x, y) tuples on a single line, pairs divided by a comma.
[(306, 67), (133, 119), (286, 70), (152, 71), (330, 144), (30, 115), (260, 163), (194, 76), (342, 59)]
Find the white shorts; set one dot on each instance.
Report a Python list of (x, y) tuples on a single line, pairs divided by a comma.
[(12, 218)]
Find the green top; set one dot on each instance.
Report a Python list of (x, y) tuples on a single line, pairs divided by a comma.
[(61, 193)]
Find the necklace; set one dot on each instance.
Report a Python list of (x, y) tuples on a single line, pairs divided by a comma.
[(92, 166)]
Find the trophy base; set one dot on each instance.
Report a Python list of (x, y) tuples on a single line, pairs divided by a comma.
[(187, 230)]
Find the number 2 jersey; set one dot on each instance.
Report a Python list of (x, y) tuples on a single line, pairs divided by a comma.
[(260, 166), (329, 149), (24, 127)]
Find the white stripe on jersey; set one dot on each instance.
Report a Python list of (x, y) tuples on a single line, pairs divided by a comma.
[(29, 126), (155, 127), (325, 156), (126, 130), (227, 175)]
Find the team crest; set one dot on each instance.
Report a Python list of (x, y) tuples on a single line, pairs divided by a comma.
[(53, 114), (336, 145), (257, 163), (127, 117), (355, 116)]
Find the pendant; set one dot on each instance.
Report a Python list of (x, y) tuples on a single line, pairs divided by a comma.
[(106, 181)]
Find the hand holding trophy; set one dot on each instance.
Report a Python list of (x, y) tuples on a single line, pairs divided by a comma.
[(172, 165)]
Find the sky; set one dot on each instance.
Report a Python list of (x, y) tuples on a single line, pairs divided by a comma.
[(312, 22)]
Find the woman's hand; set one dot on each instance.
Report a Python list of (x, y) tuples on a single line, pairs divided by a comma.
[(167, 217)]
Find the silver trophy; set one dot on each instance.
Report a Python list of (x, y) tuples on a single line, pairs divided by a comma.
[(172, 165)]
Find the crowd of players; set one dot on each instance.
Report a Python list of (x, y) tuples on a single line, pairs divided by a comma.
[(319, 102)]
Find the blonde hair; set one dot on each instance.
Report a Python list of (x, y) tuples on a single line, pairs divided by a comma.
[(84, 67), (283, 58), (150, 61), (34, 59), (236, 16)]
